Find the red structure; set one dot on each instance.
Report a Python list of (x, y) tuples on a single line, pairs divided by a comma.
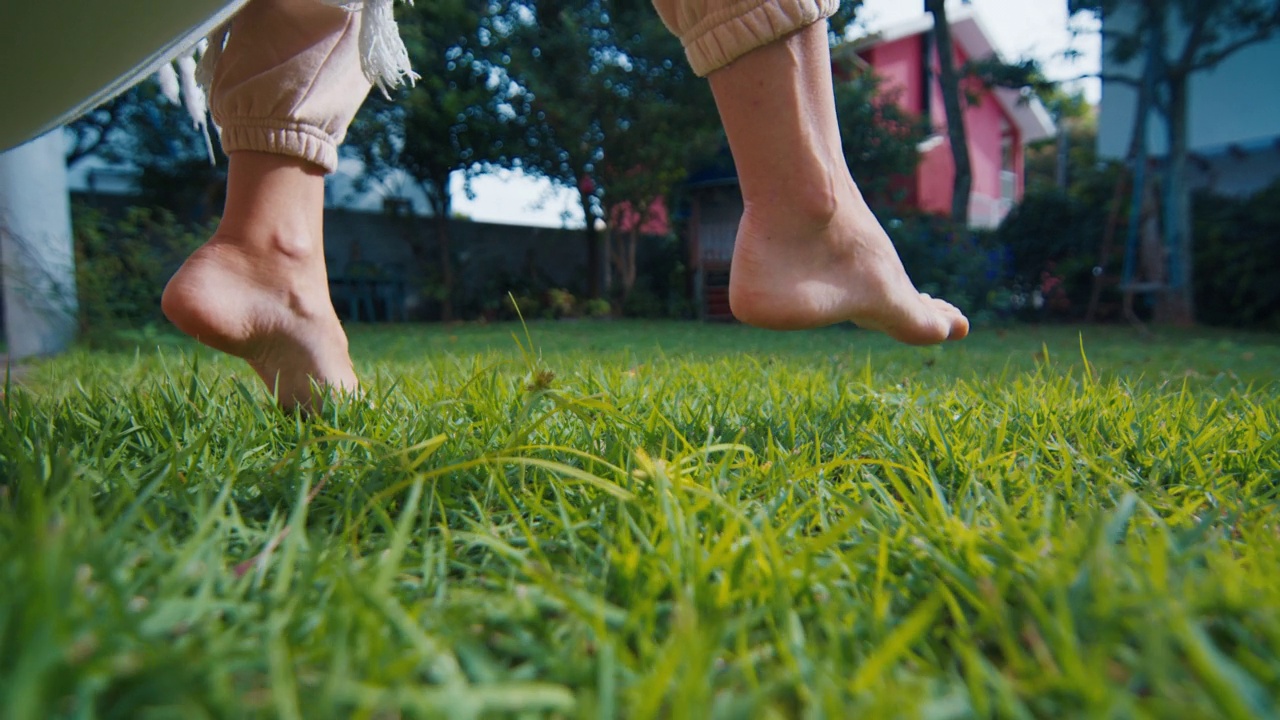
[(1000, 122)]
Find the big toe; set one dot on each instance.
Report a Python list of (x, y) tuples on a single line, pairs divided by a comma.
[(933, 321), (950, 315)]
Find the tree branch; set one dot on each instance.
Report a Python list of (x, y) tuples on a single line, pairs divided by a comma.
[(1213, 58), (1107, 77), (1194, 39), (100, 122)]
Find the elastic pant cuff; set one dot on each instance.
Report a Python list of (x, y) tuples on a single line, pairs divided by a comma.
[(735, 30)]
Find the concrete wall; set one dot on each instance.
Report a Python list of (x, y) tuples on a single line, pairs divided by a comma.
[(484, 253)]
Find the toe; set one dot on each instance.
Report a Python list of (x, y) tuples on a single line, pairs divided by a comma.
[(952, 323), (958, 324)]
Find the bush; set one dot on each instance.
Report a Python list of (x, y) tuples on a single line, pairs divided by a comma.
[(1236, 263), (1052, 240), (597, 308), (661, 289), (561, 303), (123, 264), (964, 266)]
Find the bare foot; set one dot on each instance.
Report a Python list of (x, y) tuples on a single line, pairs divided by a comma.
[(270, 307), (796, 268)]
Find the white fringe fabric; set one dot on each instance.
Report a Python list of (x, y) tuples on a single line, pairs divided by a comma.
[(383, 56), (180, 87)]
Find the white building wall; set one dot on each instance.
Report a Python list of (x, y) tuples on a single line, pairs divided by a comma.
[(1236, 103), (37, 259)]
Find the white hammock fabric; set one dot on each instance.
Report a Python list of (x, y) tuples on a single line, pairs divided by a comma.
[(180, 46)]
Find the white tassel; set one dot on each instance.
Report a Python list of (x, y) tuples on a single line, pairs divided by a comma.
[(383, 56), (167, 77), (210, 51), (195, 101)]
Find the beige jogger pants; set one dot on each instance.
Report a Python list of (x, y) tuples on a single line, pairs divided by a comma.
[(717, 32), (289, 80)]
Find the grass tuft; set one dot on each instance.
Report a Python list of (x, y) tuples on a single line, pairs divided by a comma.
[(632, 520)]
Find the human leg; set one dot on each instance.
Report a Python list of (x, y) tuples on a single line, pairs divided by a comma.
[(284, 91), (809, 252), (259, 289)]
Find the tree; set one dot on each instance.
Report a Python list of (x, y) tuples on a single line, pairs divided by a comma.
[(614, 110), (950, 82), (662, 126), (558, 51), (143, 129), (1168, 42), (1058, 162), (881, 140), (450, 120)]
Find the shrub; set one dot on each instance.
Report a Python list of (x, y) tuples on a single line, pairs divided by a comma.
[(964, 266), (1236, 263), (1052, 240), (661, 289), (597, 308), (561, 303), (525, 307), (123, 264)]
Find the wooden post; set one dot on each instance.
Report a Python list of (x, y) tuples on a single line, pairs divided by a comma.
[(37, 259)]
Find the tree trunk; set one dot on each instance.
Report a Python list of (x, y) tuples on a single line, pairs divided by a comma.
[(955, 113), (1063, 173), (1178, 305), (446, 261), (625, 262), (1136, 159), (592, 237), (441, 207), (622, 255)]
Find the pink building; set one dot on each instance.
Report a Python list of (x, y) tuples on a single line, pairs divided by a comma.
[(1000, 123)]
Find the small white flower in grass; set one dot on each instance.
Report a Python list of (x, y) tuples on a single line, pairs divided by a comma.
[(138, 604)]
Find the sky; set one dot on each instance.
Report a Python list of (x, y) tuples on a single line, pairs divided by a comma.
[(1020, 29)]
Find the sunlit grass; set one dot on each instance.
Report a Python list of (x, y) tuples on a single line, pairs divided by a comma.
[(645, 520)]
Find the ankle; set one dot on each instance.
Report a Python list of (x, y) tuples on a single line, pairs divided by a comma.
[(272, 245), (795, 212), (813, 195)]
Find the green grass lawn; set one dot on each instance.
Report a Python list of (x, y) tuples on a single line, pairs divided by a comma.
[(632, 520)]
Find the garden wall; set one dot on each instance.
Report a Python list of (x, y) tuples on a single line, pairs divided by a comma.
[(489, 260)]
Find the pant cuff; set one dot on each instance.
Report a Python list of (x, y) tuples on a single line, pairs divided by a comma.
[(733, 31), (294, 139)]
